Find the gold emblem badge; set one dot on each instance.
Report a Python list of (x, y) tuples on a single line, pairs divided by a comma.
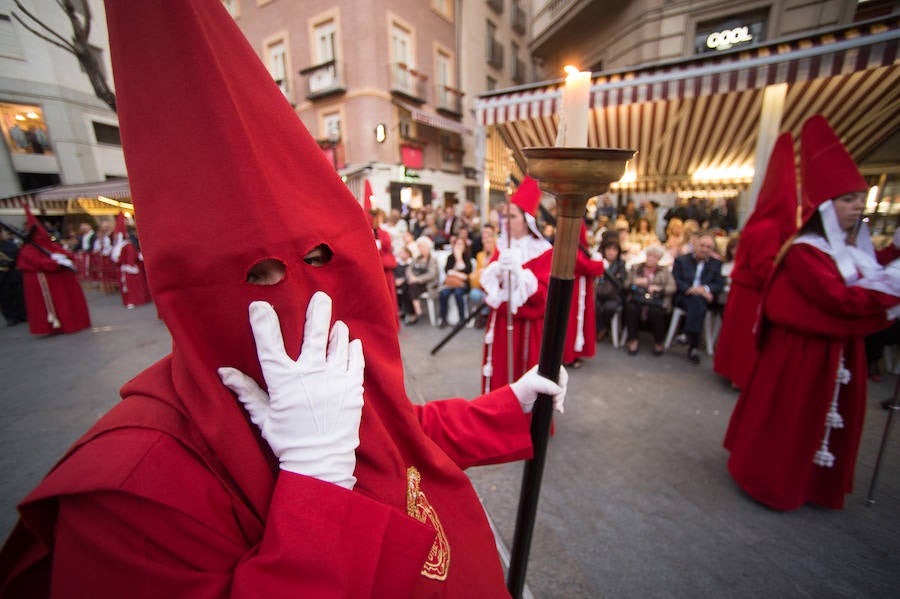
[(438, 562)]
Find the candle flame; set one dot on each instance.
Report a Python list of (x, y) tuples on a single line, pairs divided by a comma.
[(570, 70)]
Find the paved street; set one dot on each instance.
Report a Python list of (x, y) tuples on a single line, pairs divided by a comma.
[(636, 500)]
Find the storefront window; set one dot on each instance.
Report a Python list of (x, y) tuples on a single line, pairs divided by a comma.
[(24, 129)]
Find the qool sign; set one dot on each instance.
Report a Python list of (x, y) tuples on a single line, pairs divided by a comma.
[(724, 40)]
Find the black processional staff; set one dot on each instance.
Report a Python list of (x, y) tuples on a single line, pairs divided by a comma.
[(28, 238), (572, 175), (893, 405)]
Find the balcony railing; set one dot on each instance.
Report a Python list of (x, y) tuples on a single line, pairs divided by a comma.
[(408, 82), (495, 54), (324, 79), (448, 99)]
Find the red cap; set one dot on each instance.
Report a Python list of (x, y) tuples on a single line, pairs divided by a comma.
[(826, 168), (209, 138), (777, 199), (527, 196)]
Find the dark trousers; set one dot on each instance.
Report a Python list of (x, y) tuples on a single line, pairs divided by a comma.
[(655, 317), (606, 309), (460, 293), (695, 307)]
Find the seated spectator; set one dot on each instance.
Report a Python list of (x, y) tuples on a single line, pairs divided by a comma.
[(456, 282), (609, 287), (674, 237), (648, 298), (482, 259), (404, 259), (643, 235), (421, 275), (699, 279)]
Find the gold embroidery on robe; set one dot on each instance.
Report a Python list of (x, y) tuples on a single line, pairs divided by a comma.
[(438, 562)]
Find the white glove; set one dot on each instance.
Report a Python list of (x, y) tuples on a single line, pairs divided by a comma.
[(894, 312), (62, 260), (132, 270), (311, 414), (531, 384), (510, 260)]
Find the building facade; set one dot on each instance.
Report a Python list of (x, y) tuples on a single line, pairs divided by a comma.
[(56, 131), (387, 87), (701, 89)]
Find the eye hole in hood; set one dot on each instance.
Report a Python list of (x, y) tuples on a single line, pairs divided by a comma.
[(268, 271), (319, 255)]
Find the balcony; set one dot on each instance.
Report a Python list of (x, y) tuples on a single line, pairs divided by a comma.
[(495, 54), (496, 5), (408, 82), (448, 100), (324, 79), (518, 18)]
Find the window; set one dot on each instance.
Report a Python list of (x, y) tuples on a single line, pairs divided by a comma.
[(106, 134), (325, 42), (517, 17), (491, 84), (24, 129), (444, 69), (494, 49), (443, 8), (9, 43), (276, 59), (332, 125), (401, 45)]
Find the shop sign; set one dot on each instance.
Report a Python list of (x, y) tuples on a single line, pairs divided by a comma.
[(724, 40)]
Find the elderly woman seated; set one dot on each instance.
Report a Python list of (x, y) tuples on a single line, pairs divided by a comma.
[(421, 275), (649, 288)]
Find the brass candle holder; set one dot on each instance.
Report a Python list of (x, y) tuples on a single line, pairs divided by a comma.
[(572, 175)]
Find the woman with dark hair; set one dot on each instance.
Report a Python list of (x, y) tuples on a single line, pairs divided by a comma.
[(795, 430), (609, 286), (456, 282)]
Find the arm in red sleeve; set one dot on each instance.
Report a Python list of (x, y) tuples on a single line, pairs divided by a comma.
[(32, 260), (842, 310), (388, 260), (586, 267), (491, 429)]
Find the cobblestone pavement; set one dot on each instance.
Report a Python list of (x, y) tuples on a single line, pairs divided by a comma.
[(636, 500)]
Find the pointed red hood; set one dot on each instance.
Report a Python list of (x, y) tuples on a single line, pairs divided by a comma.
[(367, 196), (41, 237), (826, 168), (209, 137), (777, 199), (527, 196)]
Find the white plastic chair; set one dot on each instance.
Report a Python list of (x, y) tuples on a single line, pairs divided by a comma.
[(709, 328)]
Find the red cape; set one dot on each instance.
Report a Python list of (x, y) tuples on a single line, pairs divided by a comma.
[(44, 279), (811, 318), (586, 270)]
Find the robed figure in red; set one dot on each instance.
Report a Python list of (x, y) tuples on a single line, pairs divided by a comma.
[(581, 335), (795, 430), (132, 280), (772, 222), (54, 300), (274, 453), (516, 282)]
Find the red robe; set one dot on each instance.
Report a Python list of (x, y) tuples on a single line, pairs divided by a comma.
[(811, 318), (586, 270), (46, 282), (135, 291), (736, 348), (528, 325), (162, 518)]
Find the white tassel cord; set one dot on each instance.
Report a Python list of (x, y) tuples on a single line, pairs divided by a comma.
[(487, 370), (833, 420), (48, 301)]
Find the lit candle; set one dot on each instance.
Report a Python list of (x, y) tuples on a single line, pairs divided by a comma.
[(573, 115)]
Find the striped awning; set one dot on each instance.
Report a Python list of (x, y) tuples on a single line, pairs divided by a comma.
[(432, 119), (64, 199), (703, 113)]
